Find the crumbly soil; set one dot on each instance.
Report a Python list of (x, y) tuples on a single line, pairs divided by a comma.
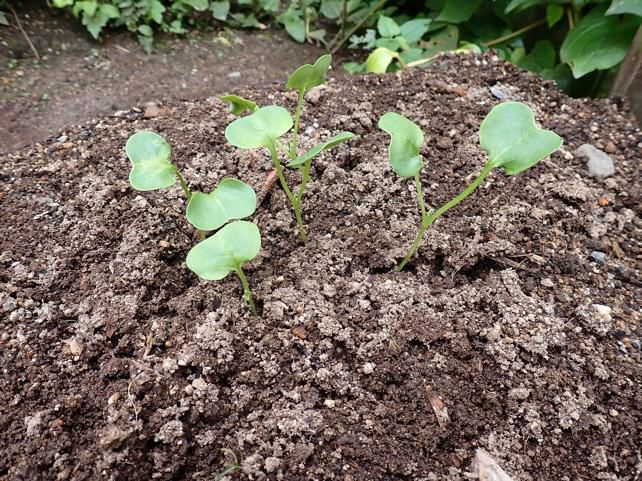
[(79, 79), (503, 333)]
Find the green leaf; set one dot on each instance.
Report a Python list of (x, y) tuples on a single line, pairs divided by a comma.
[(380, 59), (598, 42), (3, 19), (109, 11), (625, 6), (238, 105), (387, 27), (354, 68), (260, 129), (317, 149), (444, 40), (220, 9), (232, 199), (145, 30), (224, 252), (308, 76), (89, 7), (62, 3), (294, 24), (198, 5), (511, 139), (414, 29), (150, 155), (554, 14), (520, 5), (94, 23), (542, 57), (331, 8), (155, 10), (406, 138), (457, 11)]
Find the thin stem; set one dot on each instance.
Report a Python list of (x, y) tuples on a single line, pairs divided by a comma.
[(247, 292), (569, 17), (429, 219), (188, 195), (358, 25), (297, 123), (293, 200), (420, 62), (24, 33), (422, 228), (514, 34)]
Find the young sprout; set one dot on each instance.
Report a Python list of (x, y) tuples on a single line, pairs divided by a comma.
[(226, 251), (266, 125), (234, 244), (508, 135), (152, 168)]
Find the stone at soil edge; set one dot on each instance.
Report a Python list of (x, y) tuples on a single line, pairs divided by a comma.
[(599, 163)]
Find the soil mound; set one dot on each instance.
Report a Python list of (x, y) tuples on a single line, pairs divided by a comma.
[(516, 327)]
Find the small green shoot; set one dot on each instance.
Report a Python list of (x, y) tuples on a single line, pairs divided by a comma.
[(238, 105), (226, 251), (508, 135), (266, 125), (235, 243)]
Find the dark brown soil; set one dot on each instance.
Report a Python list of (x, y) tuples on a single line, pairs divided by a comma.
[(78, 78), (504, 333)]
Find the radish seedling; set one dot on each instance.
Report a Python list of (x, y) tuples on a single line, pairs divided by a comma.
[(266, 125), (235, 243), (508, 135)]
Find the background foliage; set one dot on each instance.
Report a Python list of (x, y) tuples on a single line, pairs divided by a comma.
[(577, 43)]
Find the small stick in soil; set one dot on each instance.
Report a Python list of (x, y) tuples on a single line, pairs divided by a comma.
[(24, 33), (269, 182)]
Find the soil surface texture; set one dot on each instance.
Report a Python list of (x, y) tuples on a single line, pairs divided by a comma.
[(516, 328), (78, 78)]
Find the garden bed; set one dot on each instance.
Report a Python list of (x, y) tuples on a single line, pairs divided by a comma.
[(506, 331)]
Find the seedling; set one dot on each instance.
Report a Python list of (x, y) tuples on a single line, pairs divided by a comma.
[(508, 135), (235, 243), (266, 125)]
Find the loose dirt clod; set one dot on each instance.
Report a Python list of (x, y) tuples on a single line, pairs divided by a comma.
[(532, 346)]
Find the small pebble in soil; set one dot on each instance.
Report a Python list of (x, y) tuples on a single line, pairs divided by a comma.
[(547, 283), (598, 256), (602, 201), (368, 368), (599, 163)]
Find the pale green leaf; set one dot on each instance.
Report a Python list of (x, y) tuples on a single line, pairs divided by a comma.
[(414, 29), (387, 27), (238, 105), (511, 139), (226, 251), (406, 138), (150, 156), (380, 59), (619, 7), (260, 129), (317, 149), (232, 199), (308, 76), (198, 5), (457, 11), (554, 14), (220, 9)]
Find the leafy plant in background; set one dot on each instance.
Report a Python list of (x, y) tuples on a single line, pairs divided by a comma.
[(234, 243), (563, 40), (266, 125), (508, 135)]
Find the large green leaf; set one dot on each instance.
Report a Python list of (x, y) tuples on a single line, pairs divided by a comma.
[(511, 139), (414, 29), (625, 6), (150, 155), (598, 42), (232, 199), (380, 59), (224, 252), (519, 5), (238, 105), (406, 140), (317, 149), (308, 76), (260, 129), (457, 11), (541, 58), (443, 40), (387, 27)]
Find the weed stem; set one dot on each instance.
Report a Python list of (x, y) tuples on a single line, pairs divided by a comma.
[(188, 194), (297, 123)]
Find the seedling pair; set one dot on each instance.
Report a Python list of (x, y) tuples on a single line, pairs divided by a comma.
[(266, 125), (234, 243), (508, 135)]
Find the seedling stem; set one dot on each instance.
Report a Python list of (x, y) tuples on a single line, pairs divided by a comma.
[(247, 292), (297, 123), (188, 194), (428, 219)]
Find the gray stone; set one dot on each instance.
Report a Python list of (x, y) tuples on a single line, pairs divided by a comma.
[(599, 163), (598, 256)]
